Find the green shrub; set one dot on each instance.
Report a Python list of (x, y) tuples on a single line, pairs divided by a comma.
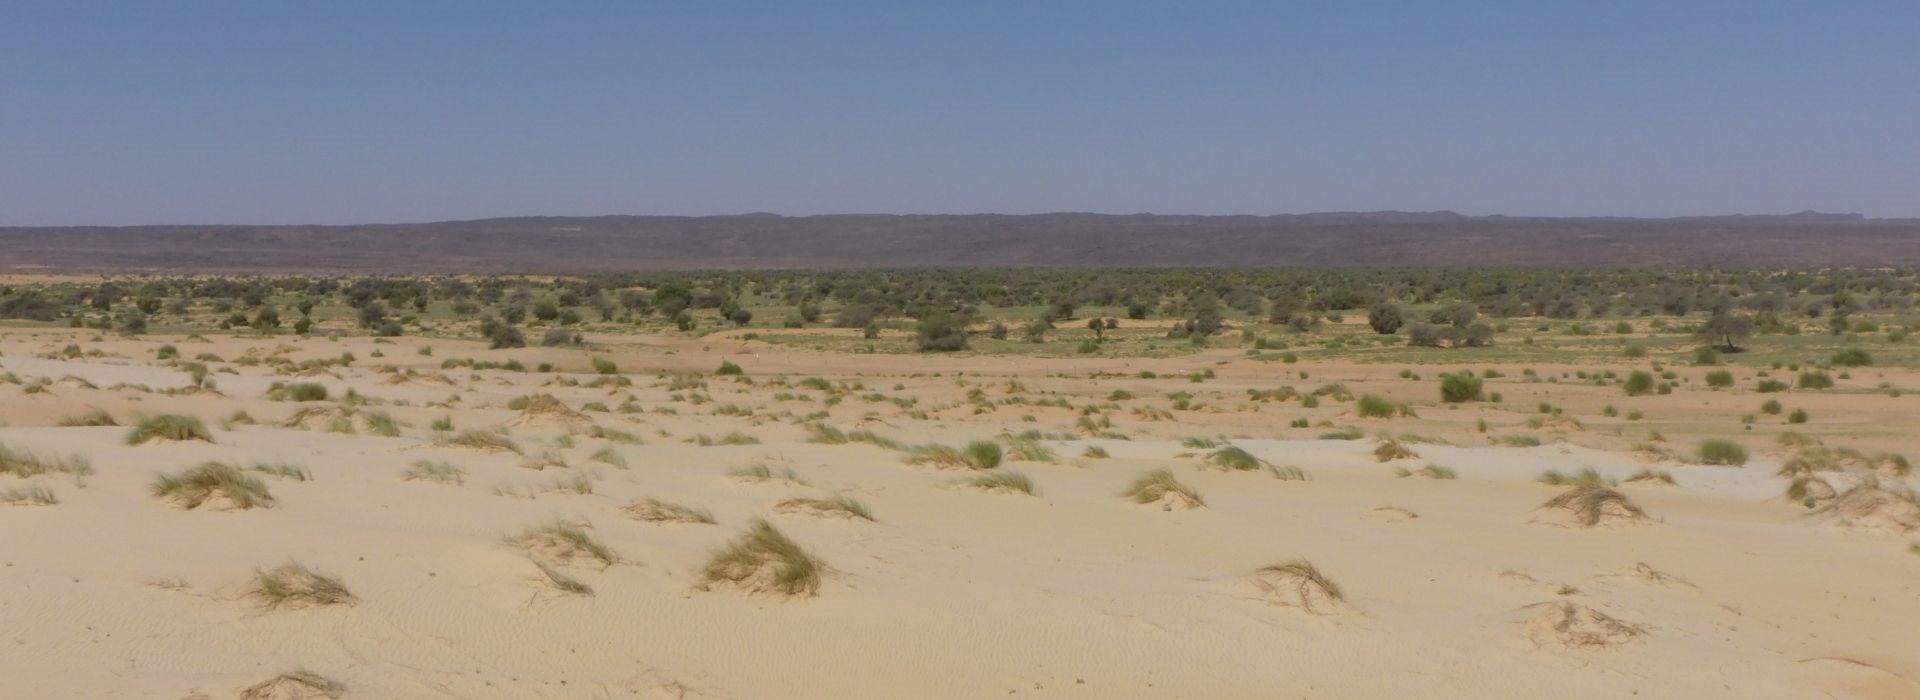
[(1722, 452), (1720, 379), (1459, 387)]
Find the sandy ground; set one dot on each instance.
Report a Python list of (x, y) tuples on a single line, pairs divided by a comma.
[(1451, 588)]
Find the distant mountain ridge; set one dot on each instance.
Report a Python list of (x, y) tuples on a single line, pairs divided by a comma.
[(759, 240)]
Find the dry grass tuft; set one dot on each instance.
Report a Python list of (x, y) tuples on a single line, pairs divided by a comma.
[(1158, 487), (480, 440), (764, 560), (1651, 477), (654, 510), (1591, 505), (1570, 625), (214, 485), (1870, 505), (24, 464), (29, 496), (1585, 477), (1232, 458), (561, 544), (1431, 471), (294, 586), (1002, 482), (298, 684), (1298, 584), (93, 418), (168, 427), (545, 410), (1388, 449), (439, 472), (841, 507)]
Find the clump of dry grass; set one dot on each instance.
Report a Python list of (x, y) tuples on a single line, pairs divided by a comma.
[(546, 459), (1585, 477), (1299, 584), (1387, 449), (732, 438), (168, 427), (480, 440), (93, 418), (298, 684), (29, 496), (1002, 482), (24, 464), (216, 485), (1159, 487), (763, 472), (561, 544), (429, 470), (1650, 476), (1571, 625), (1871, 505), (654, 510), (843, 507), (544, 409), (1233, 458), (282, 470), (1431, 471), (560, 581), (980, 454), (294, 586), (1590, 505), (765, 560)]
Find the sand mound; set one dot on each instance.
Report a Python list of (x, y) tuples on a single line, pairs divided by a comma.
[(832, 509), (1297, 584), (1571, 625), (657, 511), (1851, 679), (1870, 506), (1590, 505), (544, 410)]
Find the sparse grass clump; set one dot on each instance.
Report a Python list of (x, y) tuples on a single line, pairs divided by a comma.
[(24, 464), (835, 507), (438, 472), (1002, 482), (610, 457), (654, 510), (1095, 452), (1159, 486), (93, 418), (298, 683), (1722, 452), (1591, 504), (168, 427), (1389, 449), (294, 586), (1431, 471), (1585, 477), (1299, 584), (979, 454), (481, 440), (765, 560), (29, 496), (213, 483), (762, 472), (298, 391), (561, 543), (1649, 475), (1233, 458)]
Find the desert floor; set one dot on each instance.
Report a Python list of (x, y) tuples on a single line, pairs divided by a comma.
[(1446, 588)]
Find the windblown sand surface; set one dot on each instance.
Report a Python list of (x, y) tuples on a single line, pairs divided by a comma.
[(1440, 588)]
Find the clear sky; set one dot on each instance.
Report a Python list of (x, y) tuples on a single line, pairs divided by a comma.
[(265, 111)]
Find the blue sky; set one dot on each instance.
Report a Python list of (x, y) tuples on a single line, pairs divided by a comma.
[(338, 112)]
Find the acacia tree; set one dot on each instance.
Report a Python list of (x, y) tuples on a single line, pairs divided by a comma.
[(1725, 330)]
